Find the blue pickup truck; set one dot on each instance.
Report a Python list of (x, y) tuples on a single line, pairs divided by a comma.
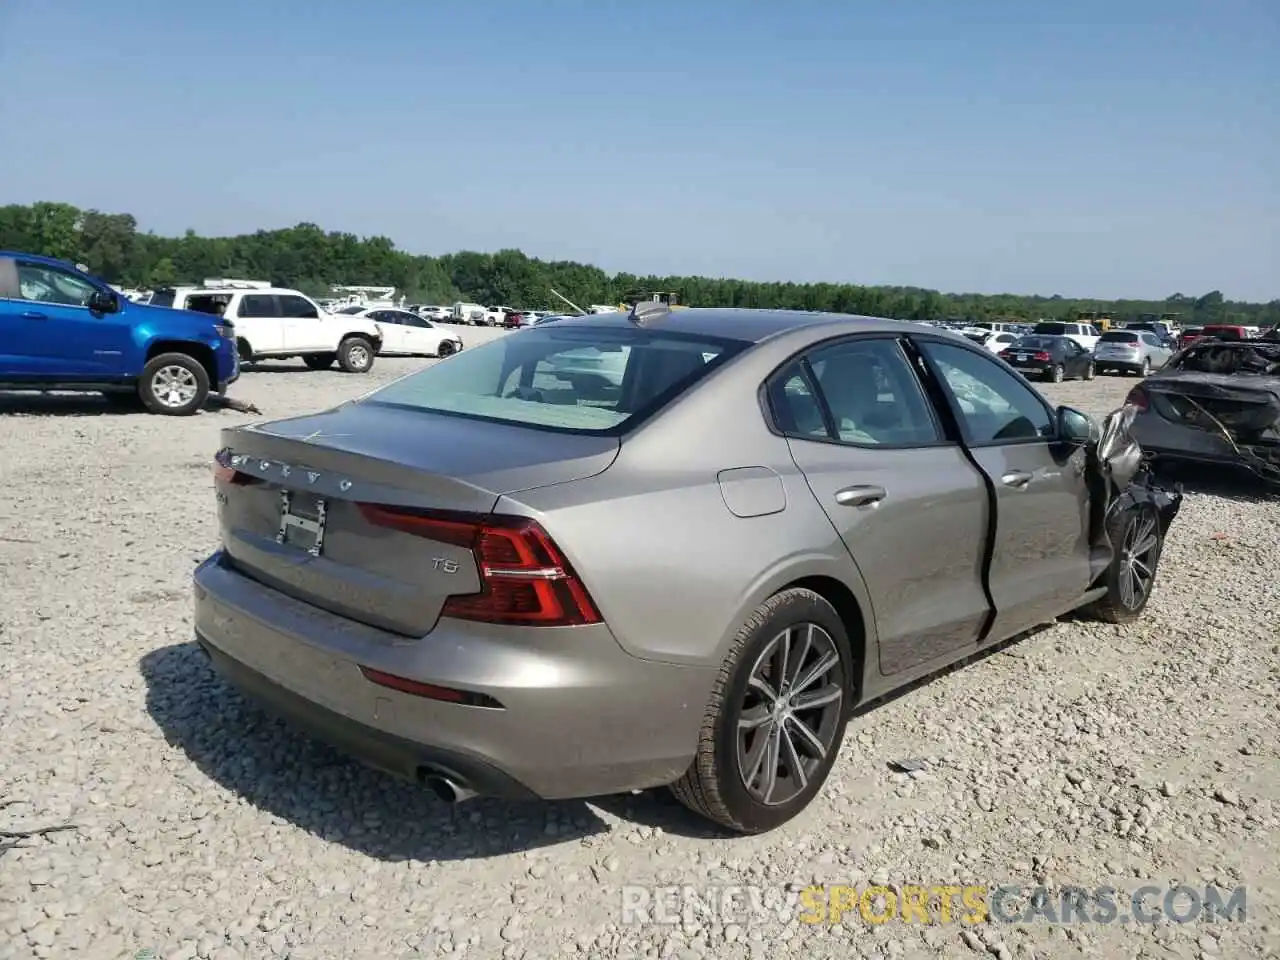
[(62, 329)]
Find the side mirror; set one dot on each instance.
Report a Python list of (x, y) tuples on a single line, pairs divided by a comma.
[(104, 301), (1074, 427)]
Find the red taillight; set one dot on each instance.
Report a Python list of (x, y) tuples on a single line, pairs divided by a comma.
[(224, 470), (524, 579), (1043, 357), (1138, 398)]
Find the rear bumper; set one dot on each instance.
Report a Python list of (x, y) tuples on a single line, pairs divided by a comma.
[(1105, 364), (377, 748), (580, 717)]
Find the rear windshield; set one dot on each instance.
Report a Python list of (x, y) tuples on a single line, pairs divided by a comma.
[(162, 298), (1118, 336), (1053, 329), (580, 379), (1035, 343)]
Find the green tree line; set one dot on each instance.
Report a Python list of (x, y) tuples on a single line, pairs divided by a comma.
[(306, 257)]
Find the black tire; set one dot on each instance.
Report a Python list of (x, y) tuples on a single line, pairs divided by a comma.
[(319, 361), (1055, 373), (355, 354), (445, 349), (174, 384), (1126, 528), (714, 785), (244, 350), (1090, 372)]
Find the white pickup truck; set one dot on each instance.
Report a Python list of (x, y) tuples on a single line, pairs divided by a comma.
[(277, 323)]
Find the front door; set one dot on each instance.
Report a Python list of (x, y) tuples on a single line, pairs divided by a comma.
[(910, 508), (303, 328), (1040, 557), (62, 337)]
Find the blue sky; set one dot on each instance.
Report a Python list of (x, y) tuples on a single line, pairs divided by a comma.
[(1124, 148)]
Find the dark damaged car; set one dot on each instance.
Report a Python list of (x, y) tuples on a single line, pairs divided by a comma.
[(500, 576), (1216, 402)]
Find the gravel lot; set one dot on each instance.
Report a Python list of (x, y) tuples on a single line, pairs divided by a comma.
[(1084, 754)]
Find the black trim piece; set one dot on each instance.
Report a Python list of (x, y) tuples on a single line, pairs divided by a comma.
[(376, 748), (820, 396)]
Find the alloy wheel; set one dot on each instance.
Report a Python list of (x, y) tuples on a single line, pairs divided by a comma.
[(174, 386), (790, 713), (358, 356), (1138, 560)]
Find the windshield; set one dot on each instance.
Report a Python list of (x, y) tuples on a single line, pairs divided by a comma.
[(1118, 337), (584, 379), (1052, 329), (162, 298), (1034, 343), (350, 311)]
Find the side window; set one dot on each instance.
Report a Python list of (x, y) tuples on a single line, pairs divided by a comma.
[(46, 284), (294, 306), (257, 305), (993, 407), (796, 409), (870, 392)]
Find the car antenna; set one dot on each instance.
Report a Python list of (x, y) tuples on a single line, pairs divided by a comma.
[(567, 300)]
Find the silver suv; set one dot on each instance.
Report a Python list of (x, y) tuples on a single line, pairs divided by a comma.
[(1130, 351)]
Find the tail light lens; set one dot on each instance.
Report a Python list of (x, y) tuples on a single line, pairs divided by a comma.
[(224, 469), (225, 329), (1138, 397), (1043, 357), (524, 578)]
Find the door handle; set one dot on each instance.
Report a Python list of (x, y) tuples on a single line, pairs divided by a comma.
[(34, 315), (860, 495), (1016, 478)]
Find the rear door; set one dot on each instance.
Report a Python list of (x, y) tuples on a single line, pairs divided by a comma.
[(909, 506), (1156, 350), (419, 336), (258, 321), (1040, 556), (1076, 359)]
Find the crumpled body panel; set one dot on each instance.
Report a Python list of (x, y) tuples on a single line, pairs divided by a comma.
[(1120, 479)]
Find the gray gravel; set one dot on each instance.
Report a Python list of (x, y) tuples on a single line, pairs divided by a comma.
[(1085, 754)]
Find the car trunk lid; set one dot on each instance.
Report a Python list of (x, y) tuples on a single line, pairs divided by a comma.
[(292, 518)]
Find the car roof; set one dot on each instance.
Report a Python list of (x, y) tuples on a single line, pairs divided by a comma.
[(257, 291), (752, 326), (50, 261)]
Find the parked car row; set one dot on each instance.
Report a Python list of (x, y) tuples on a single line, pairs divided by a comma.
[(63, 329)]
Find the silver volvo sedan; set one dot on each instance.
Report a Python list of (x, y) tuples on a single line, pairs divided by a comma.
[(671, 548)]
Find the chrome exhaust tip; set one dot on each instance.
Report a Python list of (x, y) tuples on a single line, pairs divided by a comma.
[(448, 790)]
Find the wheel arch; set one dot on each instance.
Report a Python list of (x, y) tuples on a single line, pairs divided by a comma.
[(829, 579), (201, 353)]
